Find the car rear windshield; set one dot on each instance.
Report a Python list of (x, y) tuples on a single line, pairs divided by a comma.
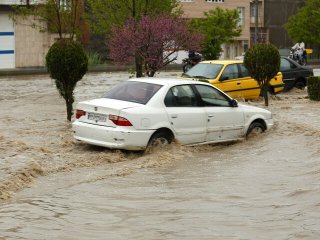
[(131, 91), (205, 70)]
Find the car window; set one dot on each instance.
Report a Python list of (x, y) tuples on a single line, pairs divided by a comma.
[(243, 71), (284, 65), (206, 70), (212, 97), (230, 72), (180, 96), (292, 65), (131, 91)]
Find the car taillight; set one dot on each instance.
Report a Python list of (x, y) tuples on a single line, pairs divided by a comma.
[(119, 121), (80, 113)]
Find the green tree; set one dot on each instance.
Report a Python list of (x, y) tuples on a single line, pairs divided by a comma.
[(56, 16), (102, 15), (219, 26), (263, 63), (304, 26), (67, 63)]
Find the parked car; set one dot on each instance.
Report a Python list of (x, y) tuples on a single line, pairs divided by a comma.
[(231, 77), (139, 113), (241, 57), (294, 75)]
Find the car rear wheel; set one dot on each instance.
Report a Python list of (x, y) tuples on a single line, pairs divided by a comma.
[(271, 91), (158, 140), (254, 129), (300, 84)]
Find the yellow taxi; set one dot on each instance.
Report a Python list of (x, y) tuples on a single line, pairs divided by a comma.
[(231, 77)]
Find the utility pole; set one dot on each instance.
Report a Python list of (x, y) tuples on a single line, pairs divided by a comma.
[(256, 5)]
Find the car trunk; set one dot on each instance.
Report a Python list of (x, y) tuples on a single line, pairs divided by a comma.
[(97, 111)]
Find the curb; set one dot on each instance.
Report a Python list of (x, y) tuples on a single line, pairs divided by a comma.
[(97, 68)]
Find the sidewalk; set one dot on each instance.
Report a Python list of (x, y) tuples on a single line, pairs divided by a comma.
[(97, 68)]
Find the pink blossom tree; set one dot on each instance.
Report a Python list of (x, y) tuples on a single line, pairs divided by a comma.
[(151, 42)]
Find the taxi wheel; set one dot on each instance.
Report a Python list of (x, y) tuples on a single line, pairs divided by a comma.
[(271, 90)]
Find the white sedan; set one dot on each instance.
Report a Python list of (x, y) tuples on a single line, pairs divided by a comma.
[(139, 113)]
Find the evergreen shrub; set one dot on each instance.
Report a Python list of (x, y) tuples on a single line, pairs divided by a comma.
[(263, 63), (67, 62), (313, 87)]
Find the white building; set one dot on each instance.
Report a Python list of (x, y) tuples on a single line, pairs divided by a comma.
[(20, 44)]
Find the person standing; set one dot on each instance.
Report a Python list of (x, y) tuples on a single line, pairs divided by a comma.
[(299, 48)]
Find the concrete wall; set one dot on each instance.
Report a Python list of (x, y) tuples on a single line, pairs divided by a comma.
[(31, 45)]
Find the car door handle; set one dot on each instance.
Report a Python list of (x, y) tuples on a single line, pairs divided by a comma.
[(210, 116), (238, 83), (174, 116)]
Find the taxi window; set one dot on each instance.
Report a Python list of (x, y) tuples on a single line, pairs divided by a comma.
[(205, 70), (243, 71), (230, 72)]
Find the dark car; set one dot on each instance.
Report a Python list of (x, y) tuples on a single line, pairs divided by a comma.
[(294, 75)]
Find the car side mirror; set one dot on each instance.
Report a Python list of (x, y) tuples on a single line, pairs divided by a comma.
[(233, 103)]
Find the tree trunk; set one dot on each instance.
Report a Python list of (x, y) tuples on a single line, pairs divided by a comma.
[(134, 9), (151, 73), (69, 102), (138, 61), (265, 95)]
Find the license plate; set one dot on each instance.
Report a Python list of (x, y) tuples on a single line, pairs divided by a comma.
[(97, 117)]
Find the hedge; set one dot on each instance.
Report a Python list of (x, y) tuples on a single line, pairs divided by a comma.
[(313, 86)]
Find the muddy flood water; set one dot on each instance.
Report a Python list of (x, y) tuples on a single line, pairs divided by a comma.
[(53, 187)]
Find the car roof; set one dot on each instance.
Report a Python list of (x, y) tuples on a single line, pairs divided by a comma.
[(222, 61), (285, 57), (167, 81)]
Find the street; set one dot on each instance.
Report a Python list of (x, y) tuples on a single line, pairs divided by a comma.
[(54, 187)]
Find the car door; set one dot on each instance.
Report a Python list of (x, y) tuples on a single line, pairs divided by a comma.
[(229, 81), (290, 72), (250, 87), (186, 116), (224, 122)]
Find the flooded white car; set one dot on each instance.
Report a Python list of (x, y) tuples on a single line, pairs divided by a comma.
[(141, 112)]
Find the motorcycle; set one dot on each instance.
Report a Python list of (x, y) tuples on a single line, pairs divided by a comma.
[(294, 55), (190, 62)]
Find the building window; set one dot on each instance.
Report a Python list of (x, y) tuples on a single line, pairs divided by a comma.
[(253, 13), (215, 1), (241, 17)]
